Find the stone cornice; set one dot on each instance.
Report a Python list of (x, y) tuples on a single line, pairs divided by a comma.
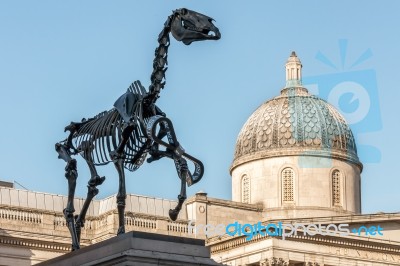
[(28, 210), (272, 153), (376, 245), (294, 207), (352, 218), (225, 203), (35, 244)]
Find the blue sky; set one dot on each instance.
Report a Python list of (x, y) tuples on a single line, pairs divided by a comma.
[(61, 61)]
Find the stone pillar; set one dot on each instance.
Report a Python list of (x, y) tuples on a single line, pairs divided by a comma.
[(197, 212), (48, 221), (162, 226)]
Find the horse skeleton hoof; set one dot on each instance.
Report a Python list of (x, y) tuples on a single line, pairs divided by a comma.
[(173, 214)]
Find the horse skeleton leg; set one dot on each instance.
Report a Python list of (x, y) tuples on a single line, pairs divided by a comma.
[(71, 174), (118, 158), (121, 196), (94, 181), (183, 172)]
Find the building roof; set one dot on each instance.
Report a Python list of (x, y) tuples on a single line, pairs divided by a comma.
[(56, 203)]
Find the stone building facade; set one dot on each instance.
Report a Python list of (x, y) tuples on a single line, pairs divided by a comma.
[(296, 199)]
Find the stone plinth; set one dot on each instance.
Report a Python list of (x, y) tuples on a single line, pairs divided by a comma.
[(139, 248)]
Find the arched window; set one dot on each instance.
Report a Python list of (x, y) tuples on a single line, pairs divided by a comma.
[(336, 188), (288, 185), (245, 189)]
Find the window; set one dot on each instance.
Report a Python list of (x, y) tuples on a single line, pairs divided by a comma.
[(336, 189), (287, 185), (245, 189)]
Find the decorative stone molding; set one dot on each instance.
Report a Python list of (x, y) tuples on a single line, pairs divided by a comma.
[(35, 244), (274, 262)]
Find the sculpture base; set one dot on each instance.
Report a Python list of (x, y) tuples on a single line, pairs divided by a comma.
[(139, 248)]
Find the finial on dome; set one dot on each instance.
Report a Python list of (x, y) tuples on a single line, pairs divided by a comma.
[(293, 71)]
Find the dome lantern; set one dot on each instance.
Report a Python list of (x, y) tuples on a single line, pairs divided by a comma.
[(293, 71)]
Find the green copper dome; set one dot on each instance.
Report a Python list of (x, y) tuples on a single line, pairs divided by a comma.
[(295, 123)]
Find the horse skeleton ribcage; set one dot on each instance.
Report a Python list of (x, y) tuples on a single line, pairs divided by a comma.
[(99, 136)]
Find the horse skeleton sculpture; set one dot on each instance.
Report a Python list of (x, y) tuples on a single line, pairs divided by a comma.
[(134, 128)]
